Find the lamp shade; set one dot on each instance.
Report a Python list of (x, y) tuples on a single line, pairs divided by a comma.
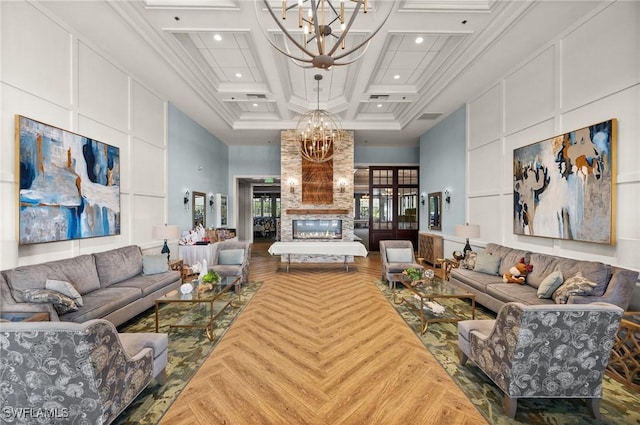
[(163, 231), (468, 230)]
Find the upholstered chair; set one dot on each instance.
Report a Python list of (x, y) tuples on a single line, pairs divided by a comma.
[(80, 372), (543, 351), (395, 257), (231, 260)]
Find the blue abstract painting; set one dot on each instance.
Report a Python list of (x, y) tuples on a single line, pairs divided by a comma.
[(564, 187), (69, 184)]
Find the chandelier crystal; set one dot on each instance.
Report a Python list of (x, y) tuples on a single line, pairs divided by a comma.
[(318, 132), (323, 26)]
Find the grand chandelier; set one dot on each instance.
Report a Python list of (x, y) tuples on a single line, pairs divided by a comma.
[(318, 132), (324, 27)]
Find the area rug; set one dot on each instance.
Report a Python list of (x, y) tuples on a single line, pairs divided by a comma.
[(188, 349), (620, 405)]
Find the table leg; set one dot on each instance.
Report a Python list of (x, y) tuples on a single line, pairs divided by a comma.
[(345, 263), (288, 262), (156, 317)]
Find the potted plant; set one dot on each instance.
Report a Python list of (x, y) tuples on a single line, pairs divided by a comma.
[(415, 275)]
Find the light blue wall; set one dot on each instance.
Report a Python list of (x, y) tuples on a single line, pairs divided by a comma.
[(248, 161), (197, 161), (442, 165), (376, 155)]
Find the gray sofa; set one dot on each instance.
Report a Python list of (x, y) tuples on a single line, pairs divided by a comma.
[(112, 285), (615, 285)]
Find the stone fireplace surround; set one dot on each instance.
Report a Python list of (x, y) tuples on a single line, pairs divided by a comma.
[(291, 200)]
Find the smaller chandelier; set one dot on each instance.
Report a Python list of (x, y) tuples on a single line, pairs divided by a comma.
[(318, 133)]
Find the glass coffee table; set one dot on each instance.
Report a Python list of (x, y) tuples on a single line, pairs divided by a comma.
[(417, 299), (217, 299)]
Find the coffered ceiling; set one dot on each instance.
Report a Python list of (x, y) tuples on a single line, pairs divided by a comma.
[(212, 59)]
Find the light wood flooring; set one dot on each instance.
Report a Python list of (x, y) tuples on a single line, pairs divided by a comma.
[(320, 345)]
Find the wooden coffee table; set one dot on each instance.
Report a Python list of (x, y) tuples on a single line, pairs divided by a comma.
[(215, 299), (432, 290)]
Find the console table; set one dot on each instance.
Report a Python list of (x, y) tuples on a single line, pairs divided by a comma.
[(344, 248)]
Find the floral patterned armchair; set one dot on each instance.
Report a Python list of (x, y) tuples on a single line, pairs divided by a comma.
[(543, 351), (74, 373)]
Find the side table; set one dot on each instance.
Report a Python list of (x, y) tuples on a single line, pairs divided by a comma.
[(624, 363)]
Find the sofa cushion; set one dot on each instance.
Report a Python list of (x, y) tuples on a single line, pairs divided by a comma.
[(149, 284), (65, 288), (154, 264), (507, 292), (80, 271), (487, 263), (399, 255), (236, 256), (550, 284), (62, 303), (575, 285), (469, 260), (98, 304), (510, 256), (118, 264), (544, 264)]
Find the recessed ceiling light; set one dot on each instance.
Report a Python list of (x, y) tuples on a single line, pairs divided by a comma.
[(217, 37), (396, 77), (238, 75), (379, 105), (419, 40), (255, 105)]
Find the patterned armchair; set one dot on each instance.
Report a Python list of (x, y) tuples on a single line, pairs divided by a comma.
[(543, 351), (396, 256), (84, 373), (231, 260)]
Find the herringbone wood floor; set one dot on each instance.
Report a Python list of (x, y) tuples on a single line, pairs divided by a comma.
[(320, 345)]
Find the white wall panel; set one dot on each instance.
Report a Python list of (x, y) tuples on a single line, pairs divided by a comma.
[(624, 106), (148, 115), (601, 56), (17, 102), (485, 117), (484, 169), (148, 169), (146, 212), (519, 139), (486, 211), (36, 53), (103, 89), (96, 130), (529, 94), (628, 218)]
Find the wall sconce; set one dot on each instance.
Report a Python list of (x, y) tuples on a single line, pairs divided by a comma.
[(342, 183), (447, 195), (211, 201), (292, 184), (186, 199), (423, 198)]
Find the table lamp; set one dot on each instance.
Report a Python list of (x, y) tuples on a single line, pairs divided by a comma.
[(163, 231), (467, 231)]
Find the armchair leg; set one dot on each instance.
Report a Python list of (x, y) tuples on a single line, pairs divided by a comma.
[(463, 357), (510, 406), (162, 377), (593, 404)]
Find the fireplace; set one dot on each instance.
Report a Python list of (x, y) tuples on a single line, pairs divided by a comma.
[(317, 229)]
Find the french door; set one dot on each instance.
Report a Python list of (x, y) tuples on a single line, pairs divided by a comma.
[(393, 204)]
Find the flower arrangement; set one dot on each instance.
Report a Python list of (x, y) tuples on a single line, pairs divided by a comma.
[(415, 275), (211, 277)]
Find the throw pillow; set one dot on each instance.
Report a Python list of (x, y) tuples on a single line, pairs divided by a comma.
[(65, 288), (61, 302), (549, 284), (487, 263), (154, 264), (231, 257), (576, 285), (399, 255), (469, 260)]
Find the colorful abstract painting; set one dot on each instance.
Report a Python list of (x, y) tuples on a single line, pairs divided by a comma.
[(564, 187), (69, 184)]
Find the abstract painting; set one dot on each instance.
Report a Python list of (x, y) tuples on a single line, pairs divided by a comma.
[(564, 187), (69, 184)]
